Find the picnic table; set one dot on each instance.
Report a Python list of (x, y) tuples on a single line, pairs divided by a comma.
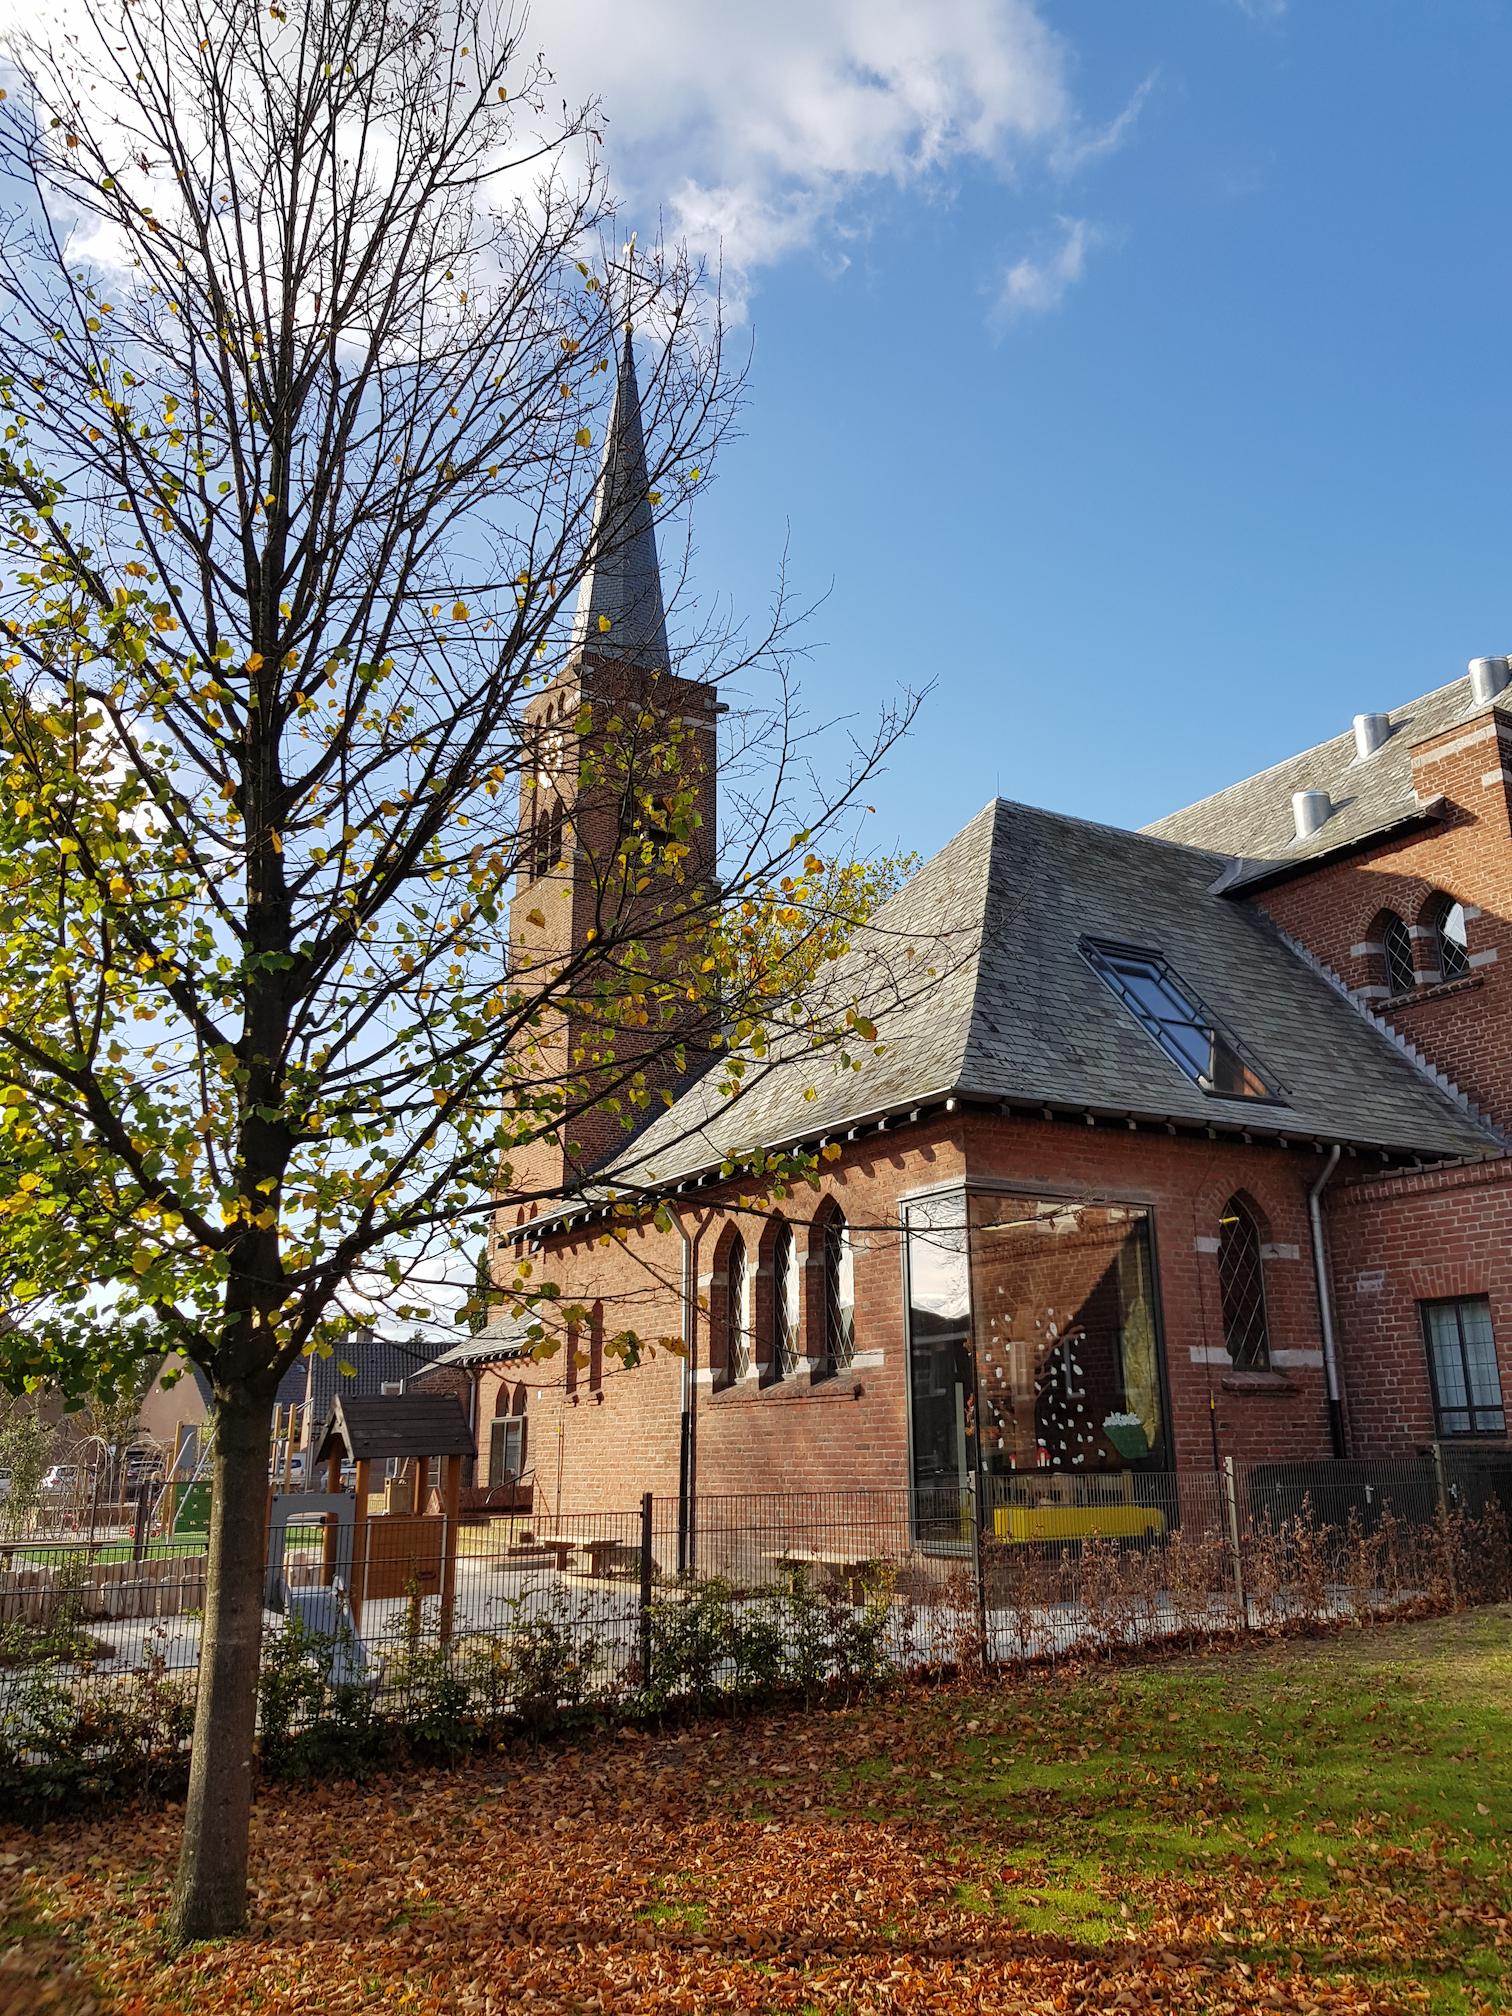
[(847, 1570)]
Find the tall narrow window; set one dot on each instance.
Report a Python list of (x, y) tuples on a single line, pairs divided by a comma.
[(1241, 1280), (1467, 1394), (506, 1452), (839, 1295), (1446, 919), (737, 1313), (782, 1360), (1396, 945)]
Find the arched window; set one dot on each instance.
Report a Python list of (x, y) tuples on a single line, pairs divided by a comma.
[(506, 1441), (1445, 918), (782, 1358), (1396, 948), (1241, 1279), (737, 1312), (839, 1294)]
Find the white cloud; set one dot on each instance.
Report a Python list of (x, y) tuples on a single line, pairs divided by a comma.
[(760, 131), (1035, 286)]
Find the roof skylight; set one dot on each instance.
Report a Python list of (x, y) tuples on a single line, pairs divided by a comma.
[(1190, 1035)]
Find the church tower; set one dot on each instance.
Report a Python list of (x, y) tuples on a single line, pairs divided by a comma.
[(618, 808)]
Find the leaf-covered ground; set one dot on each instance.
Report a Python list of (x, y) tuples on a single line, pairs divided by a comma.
[(1309, 1826)]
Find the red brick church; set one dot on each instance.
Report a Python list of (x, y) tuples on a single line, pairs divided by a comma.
[(1195, 1145)]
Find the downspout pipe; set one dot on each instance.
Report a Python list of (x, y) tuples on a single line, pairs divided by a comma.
[(687, 1443), (1325, 1301)]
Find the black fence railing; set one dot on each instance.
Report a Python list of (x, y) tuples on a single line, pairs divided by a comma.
[(398, 1622)]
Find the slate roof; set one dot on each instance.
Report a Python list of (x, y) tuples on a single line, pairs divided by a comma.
[(1252, 821), (998, 1003), (502, 1337), (407, 1424), (376, 1362)]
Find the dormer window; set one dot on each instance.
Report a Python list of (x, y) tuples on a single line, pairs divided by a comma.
[(1189, 1033)]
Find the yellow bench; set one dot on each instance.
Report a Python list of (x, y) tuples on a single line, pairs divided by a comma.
[(1077, 1522)]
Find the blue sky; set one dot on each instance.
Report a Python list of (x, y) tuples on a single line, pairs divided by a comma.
[(1159, 420)]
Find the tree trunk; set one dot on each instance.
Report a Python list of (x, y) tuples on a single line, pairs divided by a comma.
[(210, 1891)]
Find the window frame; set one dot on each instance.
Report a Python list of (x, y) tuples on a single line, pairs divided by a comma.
[(1107, 958), (1472, 1408)]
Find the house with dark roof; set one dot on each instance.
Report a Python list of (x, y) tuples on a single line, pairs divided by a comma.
[(1174, 1146)]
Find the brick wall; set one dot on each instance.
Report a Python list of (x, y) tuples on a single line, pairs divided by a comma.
[(1396, 1241), (1463, 1028), (601, 1433)]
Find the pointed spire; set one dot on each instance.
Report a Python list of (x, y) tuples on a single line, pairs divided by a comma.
[(623, 582)]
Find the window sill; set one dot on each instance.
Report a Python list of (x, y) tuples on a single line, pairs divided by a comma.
[(1257, 1382), (1438, 990)]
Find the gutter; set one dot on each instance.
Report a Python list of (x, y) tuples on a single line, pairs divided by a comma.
[(1325, 1302)]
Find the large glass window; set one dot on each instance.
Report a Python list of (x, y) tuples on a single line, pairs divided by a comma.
[(1191, 1036), (1467, 1394), (1032, 1338)]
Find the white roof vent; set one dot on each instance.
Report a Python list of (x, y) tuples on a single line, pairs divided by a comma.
[(1309, 810), (1488, 677), (1371, 731)]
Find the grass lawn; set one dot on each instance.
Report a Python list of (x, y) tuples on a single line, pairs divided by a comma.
[(1309, 1826)]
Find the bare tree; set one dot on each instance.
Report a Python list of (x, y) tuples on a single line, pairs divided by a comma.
[(312, 331)]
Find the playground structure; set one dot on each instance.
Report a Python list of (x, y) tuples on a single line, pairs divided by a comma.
[(407, 1550)]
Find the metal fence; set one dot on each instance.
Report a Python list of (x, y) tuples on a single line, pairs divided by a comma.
[(534, 1617)]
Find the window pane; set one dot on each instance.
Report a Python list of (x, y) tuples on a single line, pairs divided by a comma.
[(1400, 977), (1462, 1359), (1064, 1326), (1454, 952), (942, 1428)]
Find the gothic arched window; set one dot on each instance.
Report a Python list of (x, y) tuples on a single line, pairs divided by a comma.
[(1241, 1279), (839, 1294), (1445, 918), (782, 1358), (1396, 955), (737, 1312)]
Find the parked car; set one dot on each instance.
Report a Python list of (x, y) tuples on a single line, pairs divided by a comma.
[(65, 1480)]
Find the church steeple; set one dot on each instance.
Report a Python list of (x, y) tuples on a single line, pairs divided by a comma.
[(620, 613)]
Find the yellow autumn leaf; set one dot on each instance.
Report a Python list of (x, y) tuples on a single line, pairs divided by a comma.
[(459, 612), (584, 437), (603, 623)]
